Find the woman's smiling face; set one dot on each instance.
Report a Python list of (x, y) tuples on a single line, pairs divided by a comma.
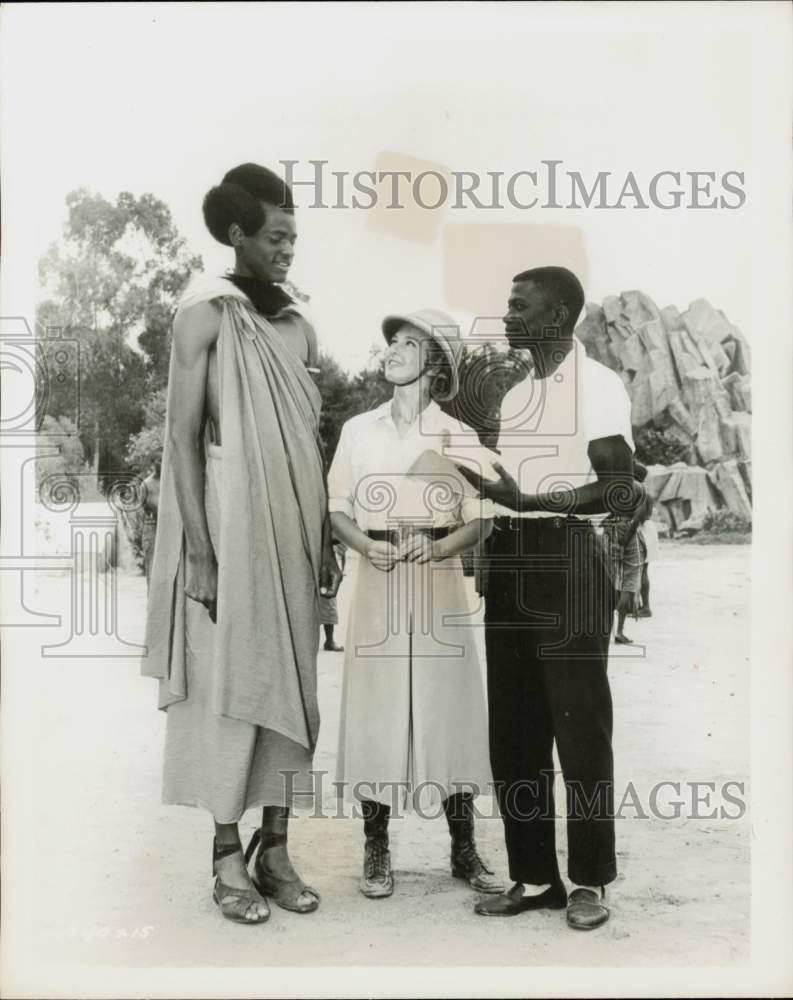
[(405, 358)]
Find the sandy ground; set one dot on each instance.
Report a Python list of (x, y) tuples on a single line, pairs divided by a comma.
[(106, 875)]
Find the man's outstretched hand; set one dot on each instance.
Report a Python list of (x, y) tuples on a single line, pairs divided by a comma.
[(504, 490)]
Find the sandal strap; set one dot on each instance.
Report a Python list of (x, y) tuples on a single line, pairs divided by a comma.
[(263, 840), (284, 890), (268, 840), (228, 892), (231, 896), (271, 884), (252, 845), (221, 851)]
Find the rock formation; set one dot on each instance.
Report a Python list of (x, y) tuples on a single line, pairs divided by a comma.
[(688, 374)]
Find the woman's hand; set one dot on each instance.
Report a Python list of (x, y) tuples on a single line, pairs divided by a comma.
[(201, 583), (420, 548), (382, 555)]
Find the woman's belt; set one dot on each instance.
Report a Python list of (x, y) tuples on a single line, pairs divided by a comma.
[(535, 524), (396, 535)]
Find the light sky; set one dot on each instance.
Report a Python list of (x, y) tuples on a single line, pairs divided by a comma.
[(165, 99)]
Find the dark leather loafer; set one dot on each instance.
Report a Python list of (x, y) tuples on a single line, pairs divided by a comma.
[(510, 904), (586, 910)]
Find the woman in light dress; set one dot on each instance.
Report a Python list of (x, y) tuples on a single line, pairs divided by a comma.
[(413, 726)]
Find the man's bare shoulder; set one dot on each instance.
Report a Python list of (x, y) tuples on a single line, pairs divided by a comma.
[(196, 327)]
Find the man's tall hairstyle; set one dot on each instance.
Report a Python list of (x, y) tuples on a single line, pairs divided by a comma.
[(239, 197), (559, 285)]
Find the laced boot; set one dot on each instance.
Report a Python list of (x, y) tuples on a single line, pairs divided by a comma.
[(466, 862), (377, 880)]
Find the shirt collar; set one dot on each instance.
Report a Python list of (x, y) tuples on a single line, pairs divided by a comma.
[(428, 416), (381, 412)]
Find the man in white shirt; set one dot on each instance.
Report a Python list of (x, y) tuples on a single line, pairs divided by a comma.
[(566, 439)]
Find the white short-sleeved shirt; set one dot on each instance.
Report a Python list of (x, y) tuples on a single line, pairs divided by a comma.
[(367, 480), (547, 425)]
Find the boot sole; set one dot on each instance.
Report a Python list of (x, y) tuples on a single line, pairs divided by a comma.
[(495, 891), (377, 893)]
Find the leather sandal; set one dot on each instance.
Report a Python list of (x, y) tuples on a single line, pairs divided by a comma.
[(244, 906), (285, 892), (508, 905), (586, 910)]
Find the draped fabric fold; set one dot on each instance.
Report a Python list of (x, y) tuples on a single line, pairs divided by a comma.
[(272, 506)]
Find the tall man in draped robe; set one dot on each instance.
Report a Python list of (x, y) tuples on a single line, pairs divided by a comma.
[(243, 548)]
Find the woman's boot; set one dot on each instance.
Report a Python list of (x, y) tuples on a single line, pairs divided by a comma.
[(466, 863), (377, 881)]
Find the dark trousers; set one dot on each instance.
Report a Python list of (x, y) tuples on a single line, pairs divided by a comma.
[(549, 605)]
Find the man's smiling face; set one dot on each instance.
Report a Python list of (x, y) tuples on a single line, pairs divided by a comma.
[(268, 254), (534, 322), (528, 314)]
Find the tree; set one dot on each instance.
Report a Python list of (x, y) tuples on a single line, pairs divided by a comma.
[(369, 387), (145, 447), (334, 386), (345, 396), (70, 460), (114, 279)]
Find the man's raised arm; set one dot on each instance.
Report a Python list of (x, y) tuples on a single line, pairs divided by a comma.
[(194, 334), (615, 490)]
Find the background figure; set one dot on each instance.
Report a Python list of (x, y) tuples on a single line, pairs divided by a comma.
[(621, 538), (328, 608), (648, 541), (626, 556), (151, 502)]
